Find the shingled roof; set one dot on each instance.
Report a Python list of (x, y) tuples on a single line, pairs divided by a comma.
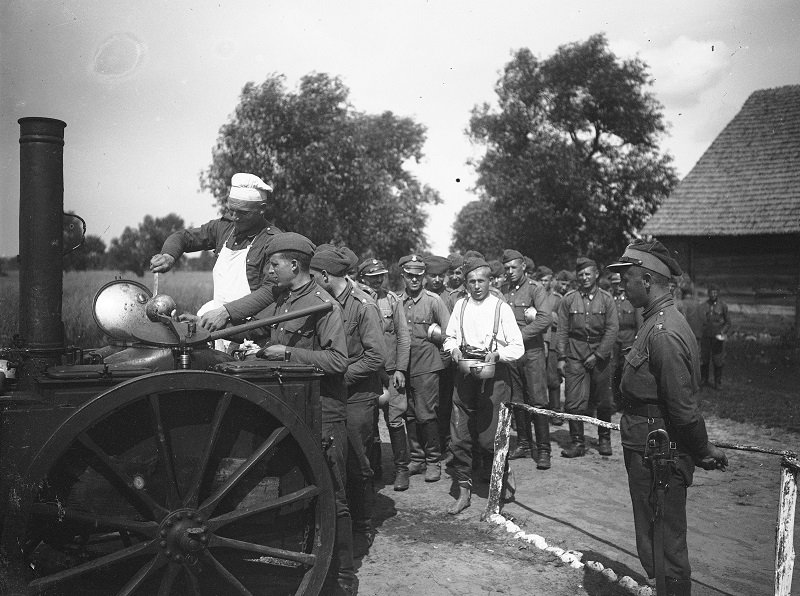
[(748, 181)]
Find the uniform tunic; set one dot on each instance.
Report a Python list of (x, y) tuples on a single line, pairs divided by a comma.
[(213, 236), (553, 378), (425, 361), (529, 373), (659, 387), (630, 319), (397, 344), (587, 324)]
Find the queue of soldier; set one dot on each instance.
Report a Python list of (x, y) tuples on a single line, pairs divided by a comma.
[(464, 335)]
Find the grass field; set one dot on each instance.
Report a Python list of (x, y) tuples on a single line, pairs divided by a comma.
[(759, 385), (190, 289)]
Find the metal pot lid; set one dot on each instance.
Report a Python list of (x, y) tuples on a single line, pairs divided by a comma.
[(119, 308)]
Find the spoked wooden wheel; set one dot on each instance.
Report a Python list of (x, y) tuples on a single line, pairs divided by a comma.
[(181, 482)]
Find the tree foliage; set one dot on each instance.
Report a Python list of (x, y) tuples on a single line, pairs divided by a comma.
[(572, 163), (134, 248), (337, 173), (89, 255)]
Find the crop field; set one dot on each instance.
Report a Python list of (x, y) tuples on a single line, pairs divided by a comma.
[(190, 289)]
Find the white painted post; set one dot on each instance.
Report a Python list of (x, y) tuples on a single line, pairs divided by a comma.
[(784, 540), (501, 442)]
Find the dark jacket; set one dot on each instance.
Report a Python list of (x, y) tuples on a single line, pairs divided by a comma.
[(586, 324)]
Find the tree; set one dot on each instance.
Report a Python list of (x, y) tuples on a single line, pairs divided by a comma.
[(337, 174), (134, 248), (476, 228), (89, 255), (572, 164)]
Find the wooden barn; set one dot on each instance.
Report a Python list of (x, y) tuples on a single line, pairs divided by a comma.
[(735, 218)]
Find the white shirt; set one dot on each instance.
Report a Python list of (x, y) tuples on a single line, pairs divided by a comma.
[(478, 326)]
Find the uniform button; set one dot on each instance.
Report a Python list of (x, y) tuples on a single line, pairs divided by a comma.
[(661, 312)]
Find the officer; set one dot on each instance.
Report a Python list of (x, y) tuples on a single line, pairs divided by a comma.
[(630, 319), (659, 386), (548, 282), (397, 343), (587, 330), (365, 352), (240, 240), (422, 309), (715, 334), (317, 339), (529, 373), (436, 269), (482, 328)]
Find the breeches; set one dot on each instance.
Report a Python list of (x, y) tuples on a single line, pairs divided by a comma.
[(476, 406), (712, 350), (395, 411), (640, 484), (585, 389), (553, 378), (423, 397), (529, 378)]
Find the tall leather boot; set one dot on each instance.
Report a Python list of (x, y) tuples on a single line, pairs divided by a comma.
[(578, 447), (463, 500), (415, 442), (554, 397), (541, 427), (363, 505), (678, 587), (604, 434), (703, 374), (524, 436), (399, 439), (433, 453), (717, 377)]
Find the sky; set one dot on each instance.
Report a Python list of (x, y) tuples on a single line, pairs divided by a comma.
[(145, 85)]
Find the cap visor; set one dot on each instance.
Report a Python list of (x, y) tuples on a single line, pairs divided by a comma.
[(618, 266)]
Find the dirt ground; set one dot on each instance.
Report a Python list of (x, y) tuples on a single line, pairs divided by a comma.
[(580, 505)]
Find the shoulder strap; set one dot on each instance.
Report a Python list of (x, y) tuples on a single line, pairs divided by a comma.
[(496, 325), (461, 321)]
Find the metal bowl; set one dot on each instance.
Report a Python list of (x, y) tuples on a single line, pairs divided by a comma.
[(435, 334), (119, 308), (530, 314), (477, 368)]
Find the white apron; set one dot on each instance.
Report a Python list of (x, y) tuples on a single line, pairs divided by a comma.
[(230, 282)]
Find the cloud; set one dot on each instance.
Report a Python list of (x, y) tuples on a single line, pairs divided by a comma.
[(682, 70)]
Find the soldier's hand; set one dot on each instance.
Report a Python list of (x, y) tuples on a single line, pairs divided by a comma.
[(456, 354), (562, 368), (188, 318), (399, 380), (215, 319), (715, 460), (275, 352), (590, 362), (161, 263), (492, 357)]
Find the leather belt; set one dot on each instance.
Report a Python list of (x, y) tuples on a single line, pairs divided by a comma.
[(584, 337), (644, 410)]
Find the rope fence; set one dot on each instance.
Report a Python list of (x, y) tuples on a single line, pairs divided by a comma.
[(790, 468)]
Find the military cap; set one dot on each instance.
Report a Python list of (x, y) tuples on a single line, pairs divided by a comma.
[(651, 255), (583, 262), (615, 278), (351, 256), (565, 275), (529, 264), (437, 265), (510, 254), (543, 270), (713, 287), (413, 264), (456, 260), (335, 262), (372, 267), (473, 263), (473, 254), (497, 268), (290, 241)]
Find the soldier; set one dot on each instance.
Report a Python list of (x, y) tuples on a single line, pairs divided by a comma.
[(240, 240), (317, 339), (422, 309), (365, 352), (630, 319), (497, 275), (659, 386), (587, 330), (715, 334), (455, 275), (482, 327), (437, 268), (550, 285), (397, 342), (530, 268), (529, 373)]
